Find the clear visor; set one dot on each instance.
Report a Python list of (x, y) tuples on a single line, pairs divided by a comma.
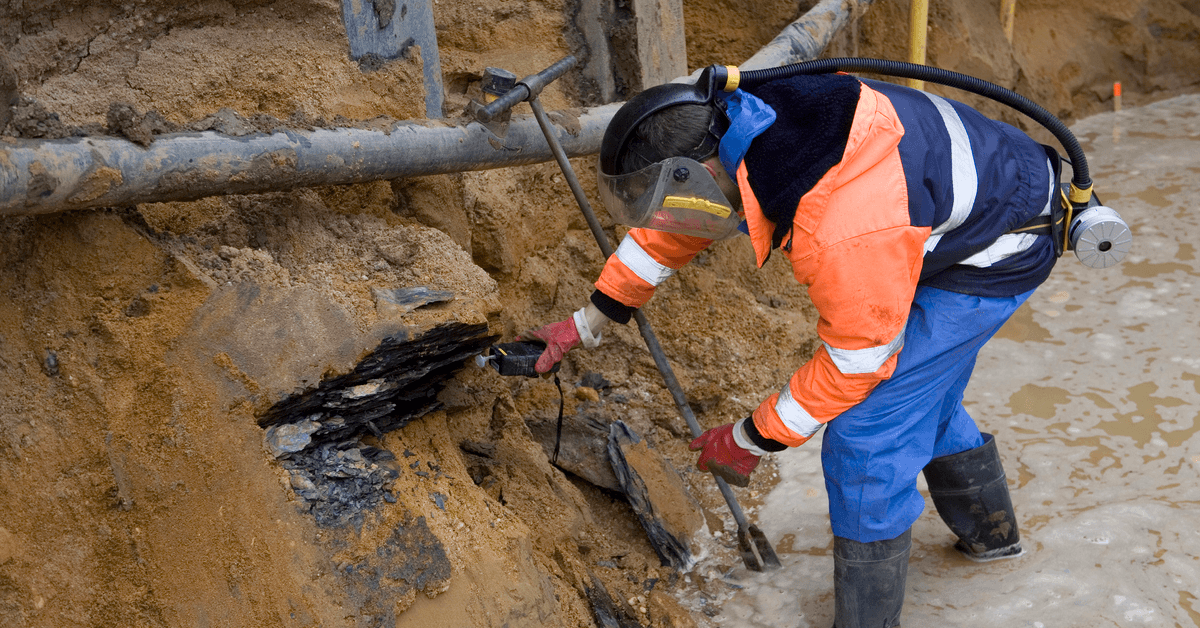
[(677, 195)]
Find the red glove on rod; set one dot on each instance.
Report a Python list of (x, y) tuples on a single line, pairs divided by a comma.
[(721, 456)]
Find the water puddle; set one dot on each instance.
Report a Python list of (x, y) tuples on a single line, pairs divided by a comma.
[(1022, 327)]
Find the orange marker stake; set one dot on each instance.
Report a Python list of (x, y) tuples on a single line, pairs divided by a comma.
[(1117, 96)]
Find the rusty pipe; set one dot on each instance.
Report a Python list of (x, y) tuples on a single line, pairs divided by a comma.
[(42, 176), (808, 36), (45, 176)]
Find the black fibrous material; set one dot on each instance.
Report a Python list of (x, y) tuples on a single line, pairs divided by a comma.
[(396, 383), (670, 544), (609, 612), (411, 559)]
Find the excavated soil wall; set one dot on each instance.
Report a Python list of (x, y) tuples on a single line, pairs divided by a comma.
[(141, 346)]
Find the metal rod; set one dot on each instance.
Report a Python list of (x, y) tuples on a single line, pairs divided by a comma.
[(656, 350), (565, 165), (527, 88)]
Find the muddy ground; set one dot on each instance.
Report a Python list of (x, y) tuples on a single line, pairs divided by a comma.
[(140, 346)]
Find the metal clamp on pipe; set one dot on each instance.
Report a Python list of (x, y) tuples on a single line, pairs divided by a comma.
[(525, 89)]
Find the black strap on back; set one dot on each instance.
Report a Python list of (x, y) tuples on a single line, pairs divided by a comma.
[(1056, 223)]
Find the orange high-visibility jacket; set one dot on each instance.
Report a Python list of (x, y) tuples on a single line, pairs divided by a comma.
[(860, 244)]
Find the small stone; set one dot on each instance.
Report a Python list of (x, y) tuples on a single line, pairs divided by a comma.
[(50, 364), (592, 379), (309, 496), (362, 390), (398, 301), (583, 393), (281, 440), (301, 482)]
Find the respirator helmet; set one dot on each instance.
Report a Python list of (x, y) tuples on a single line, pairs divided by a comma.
[(645, 184)]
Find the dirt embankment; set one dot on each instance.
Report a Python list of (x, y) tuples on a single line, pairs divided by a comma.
[(138, 346)]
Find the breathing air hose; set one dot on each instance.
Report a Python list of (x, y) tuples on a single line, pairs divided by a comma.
[(1099, 240), (1081, 178)]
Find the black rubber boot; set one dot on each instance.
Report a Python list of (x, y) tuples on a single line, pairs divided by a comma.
[(868, 581), (970, 492)]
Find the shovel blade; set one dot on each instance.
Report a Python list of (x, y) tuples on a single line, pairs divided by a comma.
[(756, 550)]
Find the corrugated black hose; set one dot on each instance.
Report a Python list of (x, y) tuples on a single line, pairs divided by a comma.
[(1081, 178)]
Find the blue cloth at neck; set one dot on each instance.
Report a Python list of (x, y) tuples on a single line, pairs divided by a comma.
[(749, 116)]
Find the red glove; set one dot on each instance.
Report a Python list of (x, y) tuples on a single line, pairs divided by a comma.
[(721, 456), (559, 337)]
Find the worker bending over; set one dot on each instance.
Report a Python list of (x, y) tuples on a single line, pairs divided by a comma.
[(907, 216)]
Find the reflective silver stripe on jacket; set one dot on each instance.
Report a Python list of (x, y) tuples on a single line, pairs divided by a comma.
[(793, 415), (962, 165), (1004, 247), (1010, 244), (641, 263), (857, 361)]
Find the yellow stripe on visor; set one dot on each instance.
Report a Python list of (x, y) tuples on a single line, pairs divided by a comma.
[(699, 204)]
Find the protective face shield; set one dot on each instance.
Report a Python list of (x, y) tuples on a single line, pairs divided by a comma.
[(677, 195)]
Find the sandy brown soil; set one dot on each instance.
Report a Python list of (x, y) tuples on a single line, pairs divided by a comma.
[(134, 486)]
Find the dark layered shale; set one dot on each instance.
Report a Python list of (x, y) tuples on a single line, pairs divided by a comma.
[(393, 385), (317, 435)]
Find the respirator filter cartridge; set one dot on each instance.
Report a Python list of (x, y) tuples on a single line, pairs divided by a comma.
[(1099, 237)]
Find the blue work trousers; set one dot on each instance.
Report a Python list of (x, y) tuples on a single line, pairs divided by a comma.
[(873, 452)]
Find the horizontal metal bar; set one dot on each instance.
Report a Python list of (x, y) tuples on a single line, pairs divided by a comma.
[(42, 176)]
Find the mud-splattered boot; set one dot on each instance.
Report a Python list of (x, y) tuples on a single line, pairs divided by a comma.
[(868, 581), (970, 492)]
